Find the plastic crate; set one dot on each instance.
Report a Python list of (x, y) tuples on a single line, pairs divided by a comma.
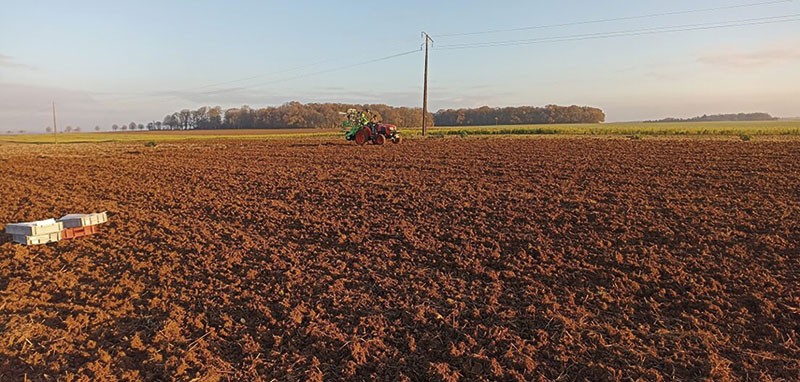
[(72, 233), (37, 239), (37, 228), (83, 220)]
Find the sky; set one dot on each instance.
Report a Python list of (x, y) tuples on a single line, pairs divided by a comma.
[(113, 62)]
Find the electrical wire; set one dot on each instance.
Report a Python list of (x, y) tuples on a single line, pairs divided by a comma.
[(134, 96), (625, 33), (316, 73), (168, 95), (263, 75), (598, 21)]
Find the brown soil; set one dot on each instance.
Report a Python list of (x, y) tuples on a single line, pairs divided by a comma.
[(441, 259), (241, 131)]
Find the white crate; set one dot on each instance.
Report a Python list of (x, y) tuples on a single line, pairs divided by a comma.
[(83, 220), (37, 239), (41, 227)]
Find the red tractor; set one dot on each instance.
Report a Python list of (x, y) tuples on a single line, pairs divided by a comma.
[(377, 133), (362, 130)]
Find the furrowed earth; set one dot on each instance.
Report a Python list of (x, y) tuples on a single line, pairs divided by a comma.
[(510, 259)]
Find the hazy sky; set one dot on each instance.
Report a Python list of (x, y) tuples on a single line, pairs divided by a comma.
[(106, 62)]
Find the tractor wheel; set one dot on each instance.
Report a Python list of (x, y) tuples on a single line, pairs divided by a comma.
[(362, 136), (380, 139), (396, 140)]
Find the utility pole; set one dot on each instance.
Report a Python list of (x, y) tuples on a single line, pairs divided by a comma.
[(428, 40), (55, 129)]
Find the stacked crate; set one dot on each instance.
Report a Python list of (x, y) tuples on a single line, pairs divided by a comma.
[(38, 232), (51, 230), (79, 225)]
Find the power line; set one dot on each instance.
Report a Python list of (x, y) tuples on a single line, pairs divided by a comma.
[(625, 33), (316, 73), (404, 40), (262, 75), (134, 96), (598, 21), (166, 95)]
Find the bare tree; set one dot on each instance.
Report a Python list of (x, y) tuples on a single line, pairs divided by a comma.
[(115, 127), (171, 121), (97, 128), (68, 129)]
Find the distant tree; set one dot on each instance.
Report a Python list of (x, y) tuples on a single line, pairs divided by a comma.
[(199, 118), (115, 127), (77, 129), (97, 128), (132, 126), (124, 127), (49, 129), (247, 117), (184, 119), (232, 118), (68, 129), (9, 132), (21, 131), (215, 117), (140, 126), (171, 121)]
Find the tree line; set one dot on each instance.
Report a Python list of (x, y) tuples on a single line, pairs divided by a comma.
[(722, 118), (288, 115), (326, 115), (69, 129), (523, 115)]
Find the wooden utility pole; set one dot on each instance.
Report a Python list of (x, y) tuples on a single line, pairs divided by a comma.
[(428, 39), (55, 129)]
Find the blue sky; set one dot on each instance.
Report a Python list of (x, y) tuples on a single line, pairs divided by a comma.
[(106, 62)]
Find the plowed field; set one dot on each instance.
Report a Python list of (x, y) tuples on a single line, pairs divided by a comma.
[(440, 259)]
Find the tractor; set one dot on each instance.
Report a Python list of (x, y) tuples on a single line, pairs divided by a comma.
[(361, 129)]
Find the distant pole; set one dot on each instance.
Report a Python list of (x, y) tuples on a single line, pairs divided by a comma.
[(428, 39), (55, 129)]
